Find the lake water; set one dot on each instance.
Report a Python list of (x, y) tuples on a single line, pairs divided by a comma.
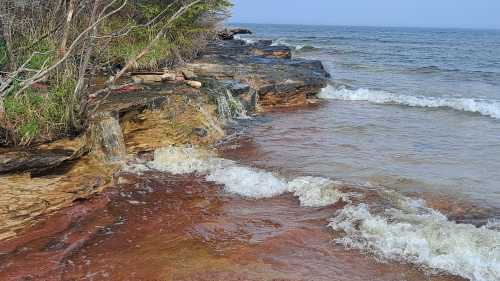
[(411, 109), (413, 112)]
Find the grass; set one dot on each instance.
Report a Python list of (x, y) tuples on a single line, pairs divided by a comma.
[(41, 115), (3, 54)]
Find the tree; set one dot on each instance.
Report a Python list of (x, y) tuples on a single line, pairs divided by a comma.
[(63, 43)]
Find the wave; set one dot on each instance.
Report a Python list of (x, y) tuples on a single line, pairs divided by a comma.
[(405, 231), (484, 107), (303, 48), (247, 40), (243, 180), (413, 233)]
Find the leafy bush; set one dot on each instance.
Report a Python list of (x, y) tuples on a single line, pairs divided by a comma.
[(38, 32)]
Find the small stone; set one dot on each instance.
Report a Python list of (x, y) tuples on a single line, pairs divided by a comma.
[(194, 84), (189, 75), (179, 78), (169, 77), (147, 78)]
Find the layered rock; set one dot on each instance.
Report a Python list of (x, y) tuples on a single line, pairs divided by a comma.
[(190, 106), (268, 70), (52, 176)]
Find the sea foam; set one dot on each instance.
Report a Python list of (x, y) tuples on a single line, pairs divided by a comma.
[(482, 106), (243, 180), (406, 231), (413, 233)]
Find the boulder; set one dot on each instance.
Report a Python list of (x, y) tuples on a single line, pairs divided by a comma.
[(228, 34)]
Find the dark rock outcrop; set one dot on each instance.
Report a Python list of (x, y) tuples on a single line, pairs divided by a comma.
[(228, 34), (32, 161), (268, 70)]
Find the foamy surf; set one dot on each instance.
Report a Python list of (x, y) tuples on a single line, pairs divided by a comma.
[(484, 107), (413, 233), (282, 42), (245, 39), (406, 231), (243, 180)]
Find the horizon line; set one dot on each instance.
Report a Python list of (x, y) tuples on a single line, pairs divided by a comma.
[(387, 26)]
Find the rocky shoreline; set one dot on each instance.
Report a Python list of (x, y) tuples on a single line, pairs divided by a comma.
[(227, 79)]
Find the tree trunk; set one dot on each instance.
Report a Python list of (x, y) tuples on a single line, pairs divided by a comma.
[(67, 27)]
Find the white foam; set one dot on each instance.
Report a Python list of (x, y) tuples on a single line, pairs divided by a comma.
[(316, 191), (482, 106), (245, 39), (185, 160), (283, 42), (248, 182), (242, 180), (422, 236)]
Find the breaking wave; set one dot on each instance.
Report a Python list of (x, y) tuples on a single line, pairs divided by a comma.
[(245, 39), (405, 230), (243, 180), (482, 106), (303, 48), (413, 233)]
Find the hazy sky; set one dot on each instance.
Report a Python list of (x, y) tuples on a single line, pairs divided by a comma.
[(427, 13)]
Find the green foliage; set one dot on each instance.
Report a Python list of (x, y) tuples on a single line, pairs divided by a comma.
[(50, 112), (41, 113), (184, 37), (3, 54)]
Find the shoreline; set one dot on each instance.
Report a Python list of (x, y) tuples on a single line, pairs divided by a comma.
[(150, 115)]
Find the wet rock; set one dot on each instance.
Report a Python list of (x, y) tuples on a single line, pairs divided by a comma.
[(35, 161), (247, 96), (228, 34), (263, 43), (277, 81), (282, 52), (107, 139)]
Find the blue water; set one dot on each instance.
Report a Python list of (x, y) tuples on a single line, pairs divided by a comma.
[(412, 109), (412, 61)]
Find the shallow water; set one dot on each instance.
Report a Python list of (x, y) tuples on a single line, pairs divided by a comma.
[(413, 109), (162, 227)]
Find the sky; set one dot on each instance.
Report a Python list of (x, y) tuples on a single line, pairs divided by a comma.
[(414, 13)]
